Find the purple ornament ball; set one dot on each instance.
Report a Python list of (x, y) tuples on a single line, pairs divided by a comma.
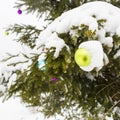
[(54, 79), (19, 11)]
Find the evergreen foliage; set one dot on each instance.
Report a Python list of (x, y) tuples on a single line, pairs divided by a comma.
[(27, 34), (73, 89), (54, 8)]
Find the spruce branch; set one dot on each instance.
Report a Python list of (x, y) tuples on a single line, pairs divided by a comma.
[(27, 34)]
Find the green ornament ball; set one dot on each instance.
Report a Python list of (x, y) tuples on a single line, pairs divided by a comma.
[(82, 57), (6, 33)]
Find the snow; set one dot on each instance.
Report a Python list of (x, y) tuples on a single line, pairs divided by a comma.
[(56, 42), (117, 54), (118, 31), (13, 109), (109, 118), (105, 59), (83, 15), (2, 89)]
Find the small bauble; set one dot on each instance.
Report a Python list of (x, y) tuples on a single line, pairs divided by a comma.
[(6, 33), (54, 79), (82, 57), (19, 11), (41, 65)]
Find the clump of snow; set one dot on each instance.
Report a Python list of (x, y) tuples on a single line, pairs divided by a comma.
[(90, 76), (105, 59), (117, 54), (109, 118), (8, 68), (117, 110), (108, 41), (18, 62), (2, 89), (88, 14), (56, 42)]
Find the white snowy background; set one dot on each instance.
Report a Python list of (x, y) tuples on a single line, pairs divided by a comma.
[(13, 109)]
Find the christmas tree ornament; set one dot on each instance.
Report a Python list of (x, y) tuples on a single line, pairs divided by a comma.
[(19, 11), (54, 79), (6, 33), (90, 55), (82, 57), (41, 65)]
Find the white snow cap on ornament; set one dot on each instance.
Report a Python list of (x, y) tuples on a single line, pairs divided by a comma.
[(96, 52)]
